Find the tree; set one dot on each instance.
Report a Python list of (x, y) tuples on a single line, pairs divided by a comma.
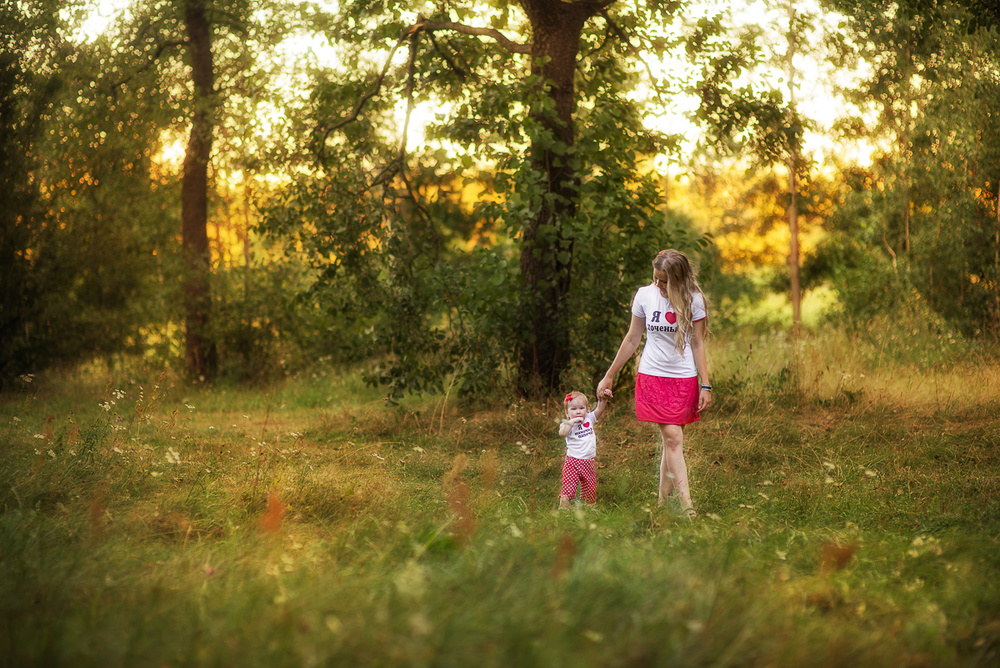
[(928, 205), (507, 89), (83, 213), (201, 351)]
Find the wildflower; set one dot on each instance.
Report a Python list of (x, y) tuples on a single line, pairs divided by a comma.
[(27, 377), (52, 454), (16, 419), (173, 457), (118, 394), (40, 436)]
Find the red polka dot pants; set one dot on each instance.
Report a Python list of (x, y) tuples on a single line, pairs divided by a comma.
[(580, 472)]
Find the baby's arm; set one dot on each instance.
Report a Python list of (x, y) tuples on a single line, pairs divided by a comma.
[(565, 427), (601, 405)]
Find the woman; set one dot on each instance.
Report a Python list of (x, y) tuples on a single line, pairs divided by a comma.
[(672, 310)]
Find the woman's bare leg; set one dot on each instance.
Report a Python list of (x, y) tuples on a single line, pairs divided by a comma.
[(673, 469)]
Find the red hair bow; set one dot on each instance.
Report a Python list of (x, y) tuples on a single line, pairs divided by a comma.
[(569, 397)]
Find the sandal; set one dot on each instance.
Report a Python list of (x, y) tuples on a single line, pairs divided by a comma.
[(690, 512)]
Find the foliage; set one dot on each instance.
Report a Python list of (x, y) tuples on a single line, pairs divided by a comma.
[(87, 239), (929, 204), (394, 238)]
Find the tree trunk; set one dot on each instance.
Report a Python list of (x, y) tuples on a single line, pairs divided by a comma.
[(793, 182), (546, 252), (793, 250), (201, 352)]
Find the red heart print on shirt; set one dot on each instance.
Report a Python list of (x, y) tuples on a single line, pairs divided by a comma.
[(586, 424), (671, 317)]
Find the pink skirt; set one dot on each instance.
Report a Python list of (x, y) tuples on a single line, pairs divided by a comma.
[(666, 400)]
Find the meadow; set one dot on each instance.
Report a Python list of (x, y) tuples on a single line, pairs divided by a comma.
[(847, 489)]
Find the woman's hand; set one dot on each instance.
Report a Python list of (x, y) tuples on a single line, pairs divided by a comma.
[(604, 388), (704, 399)]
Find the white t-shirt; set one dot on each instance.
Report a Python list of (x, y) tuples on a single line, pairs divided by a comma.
[(659, 355), (581, 442)]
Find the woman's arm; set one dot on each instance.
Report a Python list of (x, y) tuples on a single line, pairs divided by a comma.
[(628, 347), (698, 348)]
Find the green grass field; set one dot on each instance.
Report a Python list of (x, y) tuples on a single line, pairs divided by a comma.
[(847, 491)]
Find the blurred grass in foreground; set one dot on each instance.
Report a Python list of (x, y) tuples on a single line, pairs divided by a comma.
[(847, 490)]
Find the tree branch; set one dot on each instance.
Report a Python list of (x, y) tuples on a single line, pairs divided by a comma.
[(113, 86), (455, 67), (501, 39), (353, 116), (410, 34), (628, 45)]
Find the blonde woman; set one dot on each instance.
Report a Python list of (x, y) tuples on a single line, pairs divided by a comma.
[(673, 313)]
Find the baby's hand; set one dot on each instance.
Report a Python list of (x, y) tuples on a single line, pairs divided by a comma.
[(577, 420)]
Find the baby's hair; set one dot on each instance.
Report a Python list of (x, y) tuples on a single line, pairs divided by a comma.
[(573, 396)]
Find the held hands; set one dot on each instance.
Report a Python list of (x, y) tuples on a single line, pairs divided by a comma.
[(604, 388)]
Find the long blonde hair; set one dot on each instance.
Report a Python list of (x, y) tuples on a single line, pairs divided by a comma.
[(682, 284)]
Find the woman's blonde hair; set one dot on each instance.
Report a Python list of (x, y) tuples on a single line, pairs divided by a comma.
[(682, 284)]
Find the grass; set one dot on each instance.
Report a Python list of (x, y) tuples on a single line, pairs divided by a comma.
[(847, 490)]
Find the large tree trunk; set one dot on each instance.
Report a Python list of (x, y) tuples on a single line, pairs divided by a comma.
[(546, 254), (201, 352)]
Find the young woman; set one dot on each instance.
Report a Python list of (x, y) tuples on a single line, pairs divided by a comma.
[(673, 313)]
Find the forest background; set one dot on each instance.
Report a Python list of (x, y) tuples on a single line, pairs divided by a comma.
[(466, 195), (291, 292)]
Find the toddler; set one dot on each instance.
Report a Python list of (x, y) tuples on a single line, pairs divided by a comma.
[(581, 448)]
